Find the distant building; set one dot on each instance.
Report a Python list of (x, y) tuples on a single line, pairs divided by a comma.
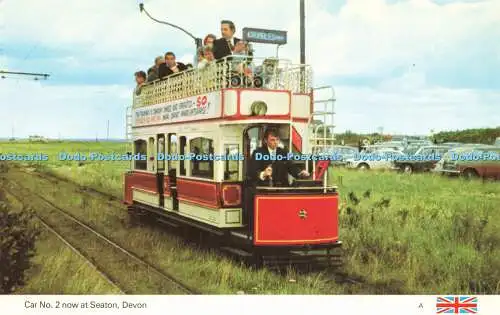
[(37, 138)]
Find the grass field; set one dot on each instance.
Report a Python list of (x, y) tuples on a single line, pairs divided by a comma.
[(204, 270), (106, 176), (422, 233), (57, 269), (403, 234)]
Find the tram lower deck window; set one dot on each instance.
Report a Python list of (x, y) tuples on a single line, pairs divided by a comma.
[(231, 165), (201, 167), (141, 147)]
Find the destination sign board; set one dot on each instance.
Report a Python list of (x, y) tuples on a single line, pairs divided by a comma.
[(259, 35)]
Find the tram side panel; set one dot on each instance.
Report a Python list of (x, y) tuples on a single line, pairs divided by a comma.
[(295, 219), (142, 187)]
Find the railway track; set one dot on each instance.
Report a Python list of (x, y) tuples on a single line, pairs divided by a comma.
[(335, 276), (102, 273), (55, 179), (106, 255)]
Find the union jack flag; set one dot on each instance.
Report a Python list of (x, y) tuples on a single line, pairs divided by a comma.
[(456, 305)]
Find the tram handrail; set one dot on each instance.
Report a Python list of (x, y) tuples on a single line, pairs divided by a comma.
[(278, 74)]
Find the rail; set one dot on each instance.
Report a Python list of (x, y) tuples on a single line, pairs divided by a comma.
[(171, 283), (233, 72)]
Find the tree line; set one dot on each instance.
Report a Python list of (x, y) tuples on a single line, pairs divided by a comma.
[(478, 135)]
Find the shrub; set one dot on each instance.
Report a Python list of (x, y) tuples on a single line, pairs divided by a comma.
[(3, 167), (17, 246)]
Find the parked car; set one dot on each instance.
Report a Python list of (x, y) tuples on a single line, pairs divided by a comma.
[(344, 152), (497, 142), (379, 159), (439, 165), (419, 142), (453, 144), (423, 159), (411, 149), (473, 161), (383, 146)]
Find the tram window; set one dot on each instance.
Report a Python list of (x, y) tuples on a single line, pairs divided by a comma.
[(141, 148), (284, 135), (253, 135), (202, 146), (151, 154), (172, 149), (231, 166), (182, 151), (161, 149)]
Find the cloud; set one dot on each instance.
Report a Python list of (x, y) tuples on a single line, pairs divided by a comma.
[(415, 111), (33, 107), (372, 37), (338, 42), (440, 59)]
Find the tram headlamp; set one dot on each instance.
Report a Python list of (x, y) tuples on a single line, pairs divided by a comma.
[(258, 108)]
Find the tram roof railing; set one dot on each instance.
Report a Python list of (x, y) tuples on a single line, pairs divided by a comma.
[(266, 73)]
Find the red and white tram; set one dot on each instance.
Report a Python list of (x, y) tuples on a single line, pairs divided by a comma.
[(215, 111)]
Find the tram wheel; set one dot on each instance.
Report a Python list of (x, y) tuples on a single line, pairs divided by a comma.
[(136, 216)]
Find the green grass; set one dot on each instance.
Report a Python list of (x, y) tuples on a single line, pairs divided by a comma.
[(104, 175), (420, 234), (57, 269), (207, 271)]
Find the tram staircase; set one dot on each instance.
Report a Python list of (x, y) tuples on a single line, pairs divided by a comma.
[(322, 127)]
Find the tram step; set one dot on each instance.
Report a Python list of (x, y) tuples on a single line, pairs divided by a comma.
[(243, 235), (172, 224), (236, 251)]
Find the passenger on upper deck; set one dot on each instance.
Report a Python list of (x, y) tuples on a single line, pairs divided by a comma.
[(170, 66), (241, 58), (152, 75), (140, 79), (226, 45), (207, 57), (209, 40), (199, 54), (153, 72)]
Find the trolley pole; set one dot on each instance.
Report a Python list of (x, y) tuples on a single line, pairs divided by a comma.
[(198, 41), (302, 46)]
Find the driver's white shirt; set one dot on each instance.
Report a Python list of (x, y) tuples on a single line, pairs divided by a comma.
[(271, 152)]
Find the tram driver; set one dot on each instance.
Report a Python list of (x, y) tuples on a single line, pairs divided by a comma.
[(267, 169)]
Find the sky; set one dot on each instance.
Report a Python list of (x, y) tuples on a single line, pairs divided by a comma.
[(407, 66)]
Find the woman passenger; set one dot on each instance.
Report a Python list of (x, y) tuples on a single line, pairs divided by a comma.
[(209, 40)]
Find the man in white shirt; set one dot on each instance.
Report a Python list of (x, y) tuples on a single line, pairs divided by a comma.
[(273, 170)]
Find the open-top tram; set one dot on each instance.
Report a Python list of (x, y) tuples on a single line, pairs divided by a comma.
[(193, 137)]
